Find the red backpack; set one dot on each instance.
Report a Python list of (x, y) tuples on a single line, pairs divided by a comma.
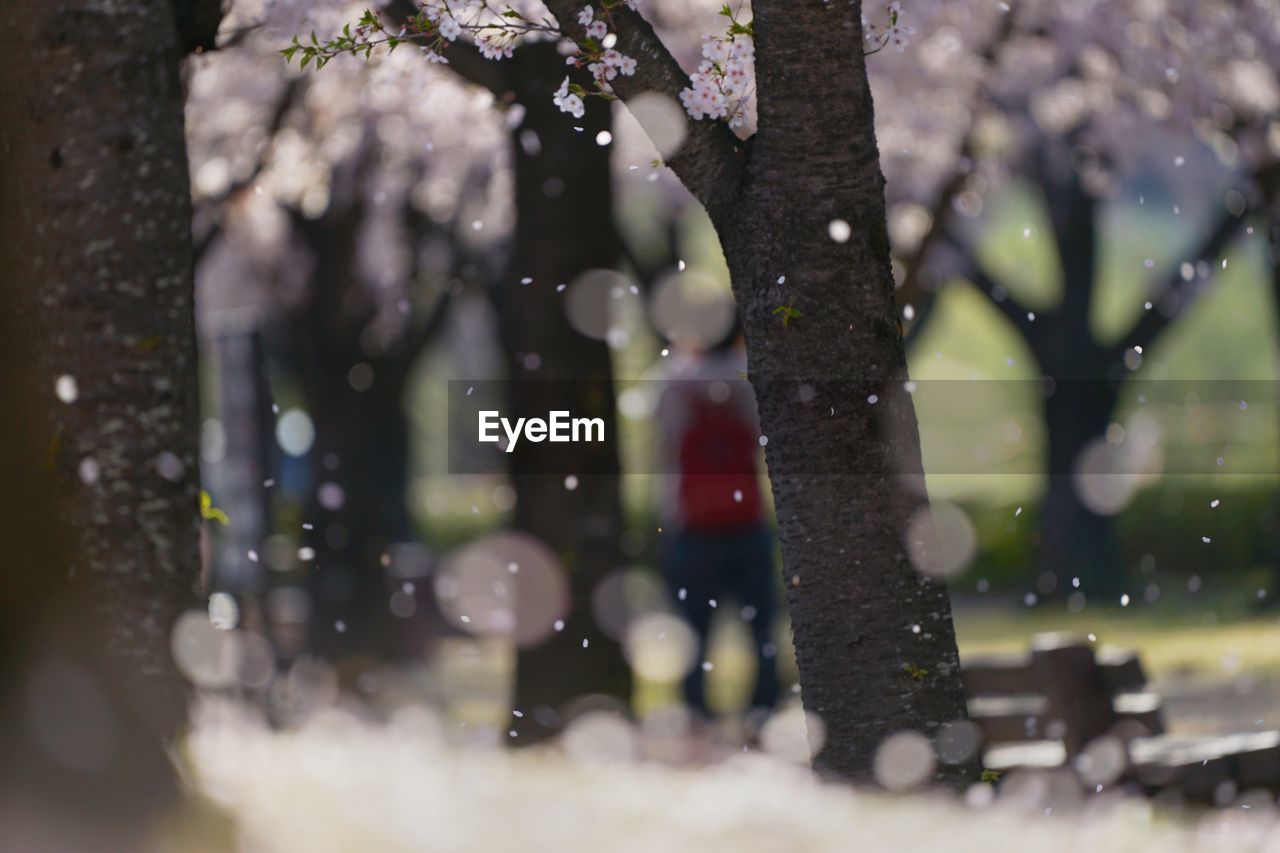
[(719, 485)]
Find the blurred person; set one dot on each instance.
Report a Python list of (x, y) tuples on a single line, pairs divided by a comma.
[(718, 545)]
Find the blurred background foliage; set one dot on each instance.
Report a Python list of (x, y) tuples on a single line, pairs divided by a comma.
[(356, 230)]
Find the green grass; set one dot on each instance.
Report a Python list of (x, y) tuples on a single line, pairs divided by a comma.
[(1171, 639), (1228, 334)]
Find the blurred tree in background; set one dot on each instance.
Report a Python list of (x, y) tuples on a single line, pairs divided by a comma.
[(1084, 105), (351, 335), (391, 221)]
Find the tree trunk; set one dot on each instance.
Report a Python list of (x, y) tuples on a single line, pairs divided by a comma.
[(235, 482), (84, 760), (1074, 541), (1272, 601), (95, 242), (357, 497), (362, 446), (564, 227), (874, 639)]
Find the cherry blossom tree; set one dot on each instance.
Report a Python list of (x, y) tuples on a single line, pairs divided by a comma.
[(1070, 100), (127, 293), (102, 518), (799, 208), (562, 185), (477, 169), (308, 245)]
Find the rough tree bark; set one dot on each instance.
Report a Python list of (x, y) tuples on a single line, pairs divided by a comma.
[(861, 615), (95, 242), (98, 256), (846, 478)]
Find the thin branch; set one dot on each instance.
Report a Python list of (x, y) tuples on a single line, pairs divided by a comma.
[(420, 334), (464, 58), (1073, 219), (997, 294), (417, 338), (712, 161), (911, 292), (288, 97), (238, 36), (1178, 292)]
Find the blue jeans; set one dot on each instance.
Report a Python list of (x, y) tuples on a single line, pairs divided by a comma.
[(734, 566)]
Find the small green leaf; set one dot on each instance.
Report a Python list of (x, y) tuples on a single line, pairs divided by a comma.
[(788, 313), (209, 512), (917, 673)]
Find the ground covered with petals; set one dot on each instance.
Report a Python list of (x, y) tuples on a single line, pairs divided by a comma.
[(340, 783)]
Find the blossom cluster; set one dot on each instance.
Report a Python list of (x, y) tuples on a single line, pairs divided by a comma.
[(604, 62), (721, 85), (436, 25), (895, 34), (720, 88), (569, 99), (494, 35)]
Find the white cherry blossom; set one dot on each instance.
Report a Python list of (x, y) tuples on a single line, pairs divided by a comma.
[(569, 102)]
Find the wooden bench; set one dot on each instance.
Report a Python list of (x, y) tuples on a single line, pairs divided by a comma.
[(1042, 709)]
